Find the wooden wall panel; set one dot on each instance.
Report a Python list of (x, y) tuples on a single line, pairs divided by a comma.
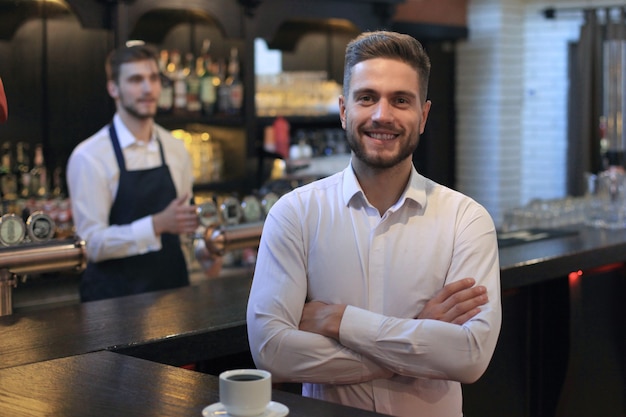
[(440, 12)]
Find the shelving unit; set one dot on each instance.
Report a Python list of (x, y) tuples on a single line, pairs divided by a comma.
[(171, 25), (64, 53)]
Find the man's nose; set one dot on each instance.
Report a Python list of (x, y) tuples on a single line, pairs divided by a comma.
[(148, 84), (383, 111)]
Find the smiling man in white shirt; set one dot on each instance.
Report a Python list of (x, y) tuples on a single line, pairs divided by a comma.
[(376, 287)]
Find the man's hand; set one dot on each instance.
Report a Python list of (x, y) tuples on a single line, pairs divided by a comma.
[(177, 218), (322, 318), (456, 302)]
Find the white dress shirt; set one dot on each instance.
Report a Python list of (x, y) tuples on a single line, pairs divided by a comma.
[(93, 177), (325, 242)]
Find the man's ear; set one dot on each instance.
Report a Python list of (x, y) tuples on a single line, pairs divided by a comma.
[(425, 112), (342, 111), (113, 89)]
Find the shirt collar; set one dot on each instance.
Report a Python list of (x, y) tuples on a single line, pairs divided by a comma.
[(126, 138), (415, 190)]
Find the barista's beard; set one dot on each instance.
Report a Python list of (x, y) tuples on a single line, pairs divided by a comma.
[(132, 110)]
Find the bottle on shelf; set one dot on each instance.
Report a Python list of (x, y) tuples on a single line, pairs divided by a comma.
[(176, 72), (38, 175), (58, 189), (282, 138), (223, 89), (234, 82), (208, 80), (8, 180), (22, 165), (192, 81), (64, 222), (166, 98)]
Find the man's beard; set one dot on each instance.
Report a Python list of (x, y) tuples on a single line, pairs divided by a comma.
[(132, 110), (378, 161)]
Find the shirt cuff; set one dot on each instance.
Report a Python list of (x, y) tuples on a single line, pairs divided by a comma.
[(146, 240), (358, 326)]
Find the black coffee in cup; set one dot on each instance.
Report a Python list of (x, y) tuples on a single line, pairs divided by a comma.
[(245, 392), (244, 377)]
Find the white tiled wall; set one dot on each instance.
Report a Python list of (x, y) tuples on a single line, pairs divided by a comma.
[(512, 86), (489, 103)]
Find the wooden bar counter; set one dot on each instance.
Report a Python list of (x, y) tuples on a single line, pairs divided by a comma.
[(105, 384), (172, 327), (121, 356)]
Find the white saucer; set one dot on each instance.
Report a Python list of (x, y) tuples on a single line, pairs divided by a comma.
[(273, 409)]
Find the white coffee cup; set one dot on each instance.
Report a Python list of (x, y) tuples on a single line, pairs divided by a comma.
[(245, 392)]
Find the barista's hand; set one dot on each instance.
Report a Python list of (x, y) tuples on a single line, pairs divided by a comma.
[(177, 218), (456, 302)]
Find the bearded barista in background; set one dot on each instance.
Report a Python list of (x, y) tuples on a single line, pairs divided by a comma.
[(130, 185)]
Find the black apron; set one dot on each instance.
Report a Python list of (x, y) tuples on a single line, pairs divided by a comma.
[(140, 193)]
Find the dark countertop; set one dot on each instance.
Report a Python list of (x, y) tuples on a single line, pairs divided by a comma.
[(174, 327), (534, 262), (110, 384), (50, 358), (207, 320)]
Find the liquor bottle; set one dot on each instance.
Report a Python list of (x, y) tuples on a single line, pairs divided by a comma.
[(208, 80), (282, 136), (176, 72), (58, 182), (234, 82), (8, 180), (64, 223), (38, 175), (22, 166), (223, 89), (192, 80), (166, 98)]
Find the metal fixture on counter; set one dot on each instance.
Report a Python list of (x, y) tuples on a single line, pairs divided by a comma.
[(230, 211), (208, 214), (251, 209), (12, 229), (39, 227), (221, 239), (37, 258)]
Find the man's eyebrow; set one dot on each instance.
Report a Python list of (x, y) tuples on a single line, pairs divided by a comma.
[(394, 93), (142, 75), (410, 93), (364, 90)]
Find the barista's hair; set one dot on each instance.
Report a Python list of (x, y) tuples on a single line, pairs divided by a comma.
[(132, 51), (391, 45)]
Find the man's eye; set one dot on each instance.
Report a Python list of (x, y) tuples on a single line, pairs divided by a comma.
[(403, 101), (365, 98)]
